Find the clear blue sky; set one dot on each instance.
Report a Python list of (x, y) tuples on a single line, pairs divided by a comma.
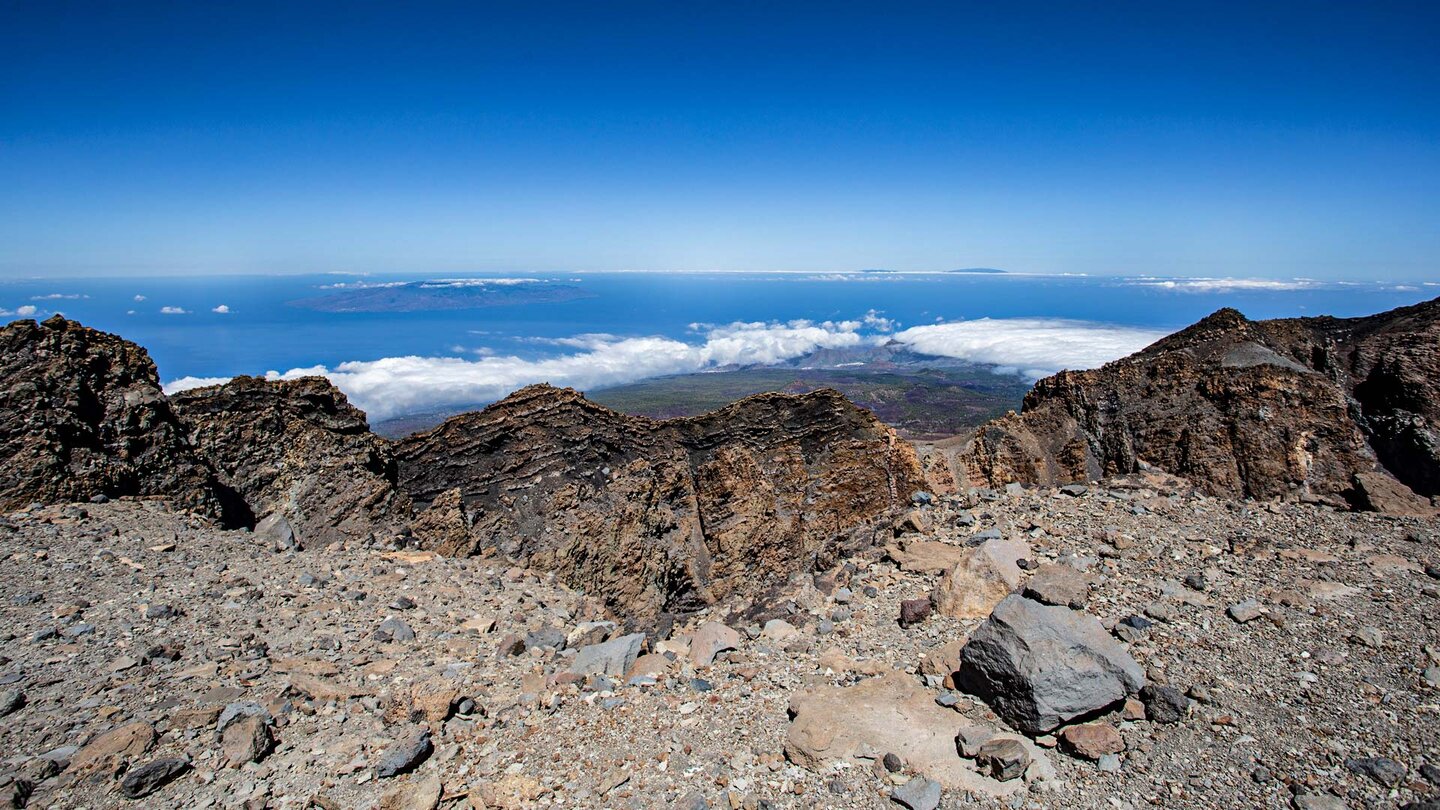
[(1238, 139)]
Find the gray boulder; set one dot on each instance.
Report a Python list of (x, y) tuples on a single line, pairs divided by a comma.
[(1040, 666), (614, 657)]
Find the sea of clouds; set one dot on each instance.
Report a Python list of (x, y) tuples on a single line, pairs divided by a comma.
[(394, 386)]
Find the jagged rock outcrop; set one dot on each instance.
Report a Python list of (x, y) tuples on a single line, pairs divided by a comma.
[(300, 449), (661, 517), (82, 414), (1323, 409)]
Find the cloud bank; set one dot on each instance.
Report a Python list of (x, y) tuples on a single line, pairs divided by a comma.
[(393, 386), (1033, 347), (1220, 285)]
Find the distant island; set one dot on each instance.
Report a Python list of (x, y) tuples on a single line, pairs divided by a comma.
[(441, 294), (987, 270)]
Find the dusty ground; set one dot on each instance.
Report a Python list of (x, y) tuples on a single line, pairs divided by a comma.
[(98, 598)]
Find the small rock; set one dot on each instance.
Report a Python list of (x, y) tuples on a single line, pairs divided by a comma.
[(1003, 759), (1318, 801), (711, 639), (914, 611), (1246, 611), (150, 777), (392, 629), (1385, 771), (1369, 637), (1164, 704), (276, 530), (10, 701), (405, 755), (422, 794), (246, 740), (917, 794), (613, 658), (1110, 763), (1092, 740), (1058, 585)]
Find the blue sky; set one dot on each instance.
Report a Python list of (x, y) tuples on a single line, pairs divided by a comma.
[(1231, 139)]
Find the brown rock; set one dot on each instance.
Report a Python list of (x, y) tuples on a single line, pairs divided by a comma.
[(926, 556), (942, 661), (710, 640), (1058, 585), (887, 714), (246, 740), (110, 751), (1092, 740), (975, 586), (420, 794), (323, 690), (444, 523), (664, 516), (1303, 407), (297, 448), (82, 413)]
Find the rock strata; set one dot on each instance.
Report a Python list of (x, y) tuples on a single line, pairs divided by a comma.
[(661, 517), (297, 450)]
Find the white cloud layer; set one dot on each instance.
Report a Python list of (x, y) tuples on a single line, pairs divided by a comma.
[(397, 385), (174, 311), (1033, 347), (1219, 285)]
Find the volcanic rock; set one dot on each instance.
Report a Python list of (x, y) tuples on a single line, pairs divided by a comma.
[(299, 449), (1039, 666), (82, 413), (663, 517), (150, 777), (1340, 410)]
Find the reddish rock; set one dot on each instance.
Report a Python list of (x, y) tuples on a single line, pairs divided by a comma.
[(914, 611), (1092, 740)]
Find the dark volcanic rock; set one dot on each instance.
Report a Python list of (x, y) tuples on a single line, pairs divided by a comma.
[(1039, 666), (299, 449), (82, 413), (150, 777), (660, 516), (1297, 407)]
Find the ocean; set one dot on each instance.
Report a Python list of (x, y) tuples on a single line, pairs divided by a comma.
[(596, 329)]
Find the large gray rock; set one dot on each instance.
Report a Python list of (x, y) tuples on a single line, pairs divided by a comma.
[(1040, 666), (614, 657)]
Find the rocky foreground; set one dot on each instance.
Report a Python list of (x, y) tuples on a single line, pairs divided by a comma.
[(1157, 647)]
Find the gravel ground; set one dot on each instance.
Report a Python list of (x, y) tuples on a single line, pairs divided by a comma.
[(128, 616)]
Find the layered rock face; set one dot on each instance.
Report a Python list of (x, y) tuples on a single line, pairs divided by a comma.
[(658, 517), (82, 414), (300, 449), (1313, 408)]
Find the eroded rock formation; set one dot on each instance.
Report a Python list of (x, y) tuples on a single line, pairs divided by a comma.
[(82, 414), (659, 517), (300, 449), (1322, 409)]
